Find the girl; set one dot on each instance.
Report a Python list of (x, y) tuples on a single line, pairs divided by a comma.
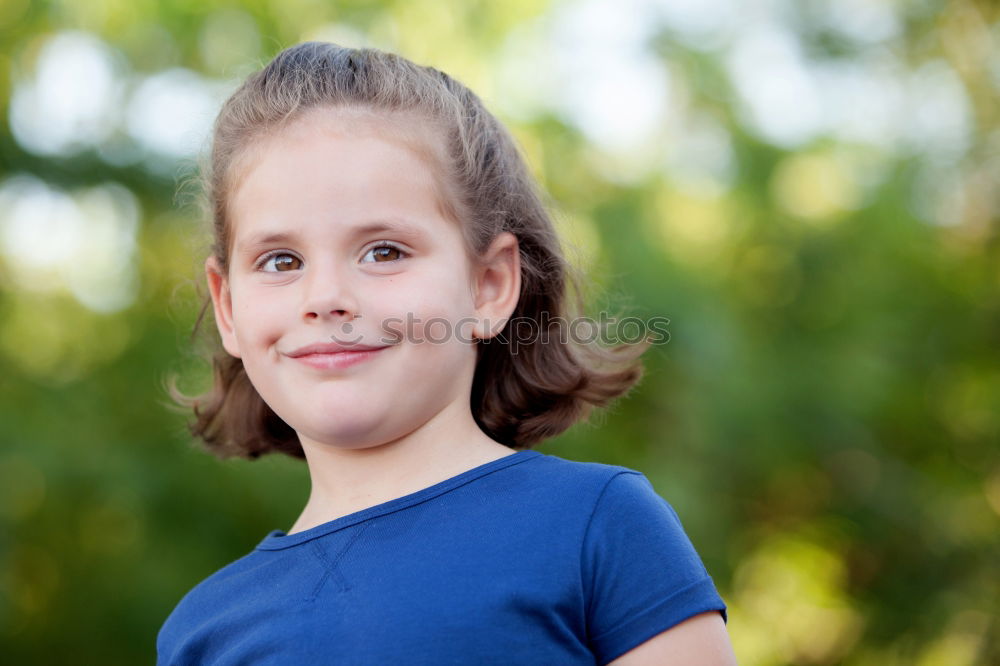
[(377, 237)]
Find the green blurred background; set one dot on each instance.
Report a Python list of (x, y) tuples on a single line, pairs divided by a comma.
[(806, 189)]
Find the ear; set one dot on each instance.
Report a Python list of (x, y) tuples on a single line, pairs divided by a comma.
[(223, 303), (497, 285)]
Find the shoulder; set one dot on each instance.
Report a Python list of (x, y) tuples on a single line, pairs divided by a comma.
[(601, 487), (205, 595), (555, 500), (589, 476), (609, 509)]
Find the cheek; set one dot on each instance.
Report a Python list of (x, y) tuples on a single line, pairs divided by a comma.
[(428, 312), (257, 315)]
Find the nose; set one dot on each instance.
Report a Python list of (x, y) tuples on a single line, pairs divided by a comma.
[(329, 293)]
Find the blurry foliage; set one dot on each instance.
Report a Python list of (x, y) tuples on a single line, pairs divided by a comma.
[(824, 417)]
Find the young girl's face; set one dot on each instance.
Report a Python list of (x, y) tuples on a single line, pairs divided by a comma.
[(337, 237)]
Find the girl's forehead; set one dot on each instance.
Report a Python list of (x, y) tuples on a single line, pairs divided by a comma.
[(404, 128)]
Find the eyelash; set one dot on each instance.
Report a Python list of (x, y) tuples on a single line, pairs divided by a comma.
[(277, 253)]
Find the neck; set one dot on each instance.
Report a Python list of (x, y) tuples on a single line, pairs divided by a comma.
[(345, 480)]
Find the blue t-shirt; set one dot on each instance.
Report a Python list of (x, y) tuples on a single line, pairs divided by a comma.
[(526, 559)]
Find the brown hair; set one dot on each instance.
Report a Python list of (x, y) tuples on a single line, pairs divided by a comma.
[(518, 399)]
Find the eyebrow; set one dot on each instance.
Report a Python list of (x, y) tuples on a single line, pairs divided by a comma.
[(397, 226)]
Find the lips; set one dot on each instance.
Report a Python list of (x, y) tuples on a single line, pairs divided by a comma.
[(338, 360), (331, 348)]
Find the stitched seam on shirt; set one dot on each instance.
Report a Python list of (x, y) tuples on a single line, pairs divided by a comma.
[(586, 532), (332, 565), (319, 585)]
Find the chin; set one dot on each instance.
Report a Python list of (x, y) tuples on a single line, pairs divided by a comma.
[(352, 434)]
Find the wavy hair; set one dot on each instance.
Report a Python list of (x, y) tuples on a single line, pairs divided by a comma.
[(518, 399)]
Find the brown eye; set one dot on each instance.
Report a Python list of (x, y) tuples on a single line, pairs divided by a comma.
[(384, 253), (282, 261)]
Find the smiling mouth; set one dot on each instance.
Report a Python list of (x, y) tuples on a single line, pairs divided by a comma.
[(338, 359), (330, 348)]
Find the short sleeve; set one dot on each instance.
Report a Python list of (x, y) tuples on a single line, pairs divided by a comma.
[(641, 573)]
